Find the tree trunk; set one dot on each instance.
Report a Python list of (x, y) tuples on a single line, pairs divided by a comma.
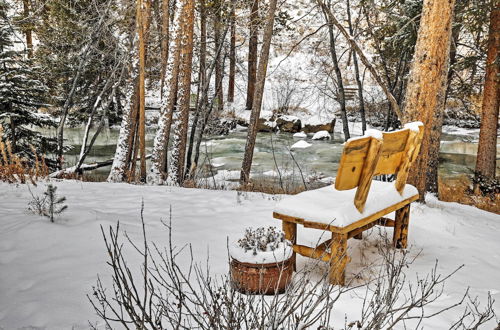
[(219, 64), (356, 72), (143, 7), (425, 94), (202, 88), (159, 171), (338, 75), (259, 93), (181, 116), (252, 52), (486, 153), (232, 54), (27, 30), (165, 33)]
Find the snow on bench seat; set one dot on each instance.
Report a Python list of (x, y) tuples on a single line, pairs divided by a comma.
[(334, 207)]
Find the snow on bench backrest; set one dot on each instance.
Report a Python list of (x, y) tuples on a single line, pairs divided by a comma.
[(378, 153)]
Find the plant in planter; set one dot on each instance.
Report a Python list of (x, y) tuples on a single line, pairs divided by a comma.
[(261, 261)]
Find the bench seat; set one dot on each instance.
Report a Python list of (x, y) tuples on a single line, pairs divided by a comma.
[(334, 207)]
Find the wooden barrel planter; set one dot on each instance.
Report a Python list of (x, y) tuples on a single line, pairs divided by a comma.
[(268, 279)]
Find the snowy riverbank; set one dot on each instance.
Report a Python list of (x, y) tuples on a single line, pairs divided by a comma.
[(47, 269)]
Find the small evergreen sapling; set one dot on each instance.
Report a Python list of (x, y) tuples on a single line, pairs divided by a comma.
[(55, 204)]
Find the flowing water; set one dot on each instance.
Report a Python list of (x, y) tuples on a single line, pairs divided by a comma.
[(272, 156)]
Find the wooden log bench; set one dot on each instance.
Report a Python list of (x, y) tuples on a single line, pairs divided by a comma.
[(347, 212)]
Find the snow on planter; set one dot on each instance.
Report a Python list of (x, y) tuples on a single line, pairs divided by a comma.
[(261, 246), (300, 135), (301, 145), (321, 135)]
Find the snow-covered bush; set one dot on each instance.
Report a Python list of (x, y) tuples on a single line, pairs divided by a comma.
[(261, 245), (261, 239)]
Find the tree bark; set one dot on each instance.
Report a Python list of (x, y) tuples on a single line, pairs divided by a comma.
[(219, 64), (252, 52), (486, 153), (232, 54), (159, 171), (28, 30), (181, 116), (143, 7), (425, 94), (356, 72), (338, 75), (259, 93), (202, 89), (165, 34)]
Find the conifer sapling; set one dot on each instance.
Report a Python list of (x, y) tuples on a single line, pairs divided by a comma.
[(55, 204)]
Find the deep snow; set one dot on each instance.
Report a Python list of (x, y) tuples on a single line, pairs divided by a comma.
[(47, 269)]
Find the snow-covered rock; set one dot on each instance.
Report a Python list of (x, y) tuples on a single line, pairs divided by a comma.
[(314, 125), (321, 135), (289, 124), (300, 145), (300, 135), (266, 125)]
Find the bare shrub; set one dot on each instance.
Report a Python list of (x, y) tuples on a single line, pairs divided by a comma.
[(165, 295)]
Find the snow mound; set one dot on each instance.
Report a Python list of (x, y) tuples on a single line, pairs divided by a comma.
[(301, 145), (321, 135), (300, 135)]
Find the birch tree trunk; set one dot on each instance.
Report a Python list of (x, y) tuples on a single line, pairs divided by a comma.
[(259, 93), (426, 89), (181, 116), (252, 53), (487, 150)]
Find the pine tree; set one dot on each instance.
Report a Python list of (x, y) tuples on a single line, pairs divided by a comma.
[(55, 205), (21, 95)]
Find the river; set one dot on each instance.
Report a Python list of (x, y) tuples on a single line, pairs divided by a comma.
[(222, 154)]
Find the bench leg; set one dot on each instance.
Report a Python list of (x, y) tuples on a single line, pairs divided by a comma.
[(400, 238), (338, 259), (290, 230)]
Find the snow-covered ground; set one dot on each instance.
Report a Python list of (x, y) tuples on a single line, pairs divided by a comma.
[(47, 269)]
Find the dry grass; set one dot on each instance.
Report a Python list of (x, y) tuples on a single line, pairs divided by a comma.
[(272, 187), (459, 190), (14, 169), (82, 177)]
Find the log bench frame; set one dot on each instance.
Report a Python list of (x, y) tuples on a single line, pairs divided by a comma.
[(362, 159)]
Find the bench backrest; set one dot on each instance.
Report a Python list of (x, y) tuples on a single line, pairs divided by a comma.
[(378, 153)]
